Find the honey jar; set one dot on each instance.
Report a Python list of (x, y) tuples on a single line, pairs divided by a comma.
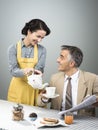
[(18, 113)]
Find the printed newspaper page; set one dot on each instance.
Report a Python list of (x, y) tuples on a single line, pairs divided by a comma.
[(87, 102)]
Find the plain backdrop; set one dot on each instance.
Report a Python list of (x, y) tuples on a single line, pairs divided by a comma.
[(72, 22)]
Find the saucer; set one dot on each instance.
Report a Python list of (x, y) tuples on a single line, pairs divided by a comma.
[(48, 96)]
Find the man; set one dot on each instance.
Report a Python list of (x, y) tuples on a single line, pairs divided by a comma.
[(83, 83)]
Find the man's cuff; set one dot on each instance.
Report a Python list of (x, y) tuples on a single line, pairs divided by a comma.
[(44, 100)]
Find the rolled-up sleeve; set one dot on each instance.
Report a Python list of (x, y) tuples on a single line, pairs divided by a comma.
[(12, 62)]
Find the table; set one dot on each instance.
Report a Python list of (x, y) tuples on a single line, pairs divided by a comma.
[(6, 122)]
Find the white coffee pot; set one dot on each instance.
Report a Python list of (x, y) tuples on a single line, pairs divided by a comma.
[(35, 80)]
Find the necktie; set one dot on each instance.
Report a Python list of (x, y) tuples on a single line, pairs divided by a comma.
[(68, 103)]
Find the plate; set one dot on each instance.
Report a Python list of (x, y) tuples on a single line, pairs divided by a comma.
[(38, 124), (54, 96), (59, 123)]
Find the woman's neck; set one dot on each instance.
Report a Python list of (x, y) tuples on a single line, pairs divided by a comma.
[(26, 42)]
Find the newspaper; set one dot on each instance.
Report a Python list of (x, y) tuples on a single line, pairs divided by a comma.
[(86, 103)]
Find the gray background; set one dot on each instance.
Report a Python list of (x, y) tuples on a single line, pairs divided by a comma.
[(73, 22)]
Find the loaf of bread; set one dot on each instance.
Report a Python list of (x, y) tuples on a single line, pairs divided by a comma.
[(47, 120)]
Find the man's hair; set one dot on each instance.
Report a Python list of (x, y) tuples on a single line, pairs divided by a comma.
[(75, 52)]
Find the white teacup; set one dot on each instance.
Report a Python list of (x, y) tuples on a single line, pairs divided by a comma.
[(50, 91)]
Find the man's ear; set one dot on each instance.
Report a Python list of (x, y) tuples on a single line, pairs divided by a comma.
[(72, 63)]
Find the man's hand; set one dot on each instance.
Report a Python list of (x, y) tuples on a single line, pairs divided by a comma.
[(96, 103), (43, 98)]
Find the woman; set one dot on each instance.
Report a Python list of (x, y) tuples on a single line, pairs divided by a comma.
[(25, 57)]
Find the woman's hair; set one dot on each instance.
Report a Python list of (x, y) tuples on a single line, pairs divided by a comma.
[(34, 25), (75, 52)]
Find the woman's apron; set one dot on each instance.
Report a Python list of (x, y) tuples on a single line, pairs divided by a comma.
[(20, 91)]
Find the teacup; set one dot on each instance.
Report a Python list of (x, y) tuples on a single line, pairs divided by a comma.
[(50, 91)]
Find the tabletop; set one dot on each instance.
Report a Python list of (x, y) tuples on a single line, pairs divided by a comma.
[(7, 123)]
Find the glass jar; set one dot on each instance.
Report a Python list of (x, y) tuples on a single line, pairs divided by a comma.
[(68, 118)]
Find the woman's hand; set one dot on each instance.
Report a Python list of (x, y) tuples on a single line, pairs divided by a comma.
[(28, 71), (37, 72)]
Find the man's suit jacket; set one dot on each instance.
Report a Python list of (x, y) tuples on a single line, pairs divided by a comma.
[(87, 85)]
